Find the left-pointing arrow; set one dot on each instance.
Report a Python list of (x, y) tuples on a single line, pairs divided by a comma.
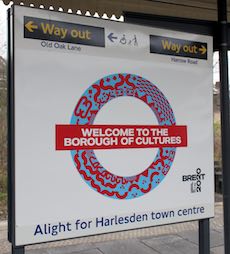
[(111, 37), (30, 26)]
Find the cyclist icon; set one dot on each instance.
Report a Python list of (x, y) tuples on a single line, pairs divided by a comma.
[(123, 40), (134, 41)]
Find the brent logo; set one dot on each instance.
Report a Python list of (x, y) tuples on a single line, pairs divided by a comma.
[(195, 179)]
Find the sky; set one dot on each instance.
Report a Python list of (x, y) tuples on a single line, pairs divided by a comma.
[(3, 37)]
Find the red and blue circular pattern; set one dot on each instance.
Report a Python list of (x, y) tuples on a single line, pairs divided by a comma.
[(90, 169)]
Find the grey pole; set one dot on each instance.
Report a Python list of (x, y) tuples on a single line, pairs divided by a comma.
[(18, 250), (225, 118), (204, 237)]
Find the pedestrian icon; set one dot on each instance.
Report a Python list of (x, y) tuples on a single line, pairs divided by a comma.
[(134, 41)]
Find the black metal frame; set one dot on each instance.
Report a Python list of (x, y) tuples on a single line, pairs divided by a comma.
[(11, 135), (9, 163), (11, 184)]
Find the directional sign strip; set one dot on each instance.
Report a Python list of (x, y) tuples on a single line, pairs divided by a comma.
[(51, 30), (177, 47)]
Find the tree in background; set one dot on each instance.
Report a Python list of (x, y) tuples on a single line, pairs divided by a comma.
[(3, 137)]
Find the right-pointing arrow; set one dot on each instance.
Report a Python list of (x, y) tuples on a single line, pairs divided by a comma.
[(203, 50)]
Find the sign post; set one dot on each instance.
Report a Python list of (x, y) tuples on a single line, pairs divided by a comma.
[(225, 117), (18, 250), (106, 124), (204, 236)]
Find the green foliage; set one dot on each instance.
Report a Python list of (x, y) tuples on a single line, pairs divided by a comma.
[(3, 197), (217, 141)]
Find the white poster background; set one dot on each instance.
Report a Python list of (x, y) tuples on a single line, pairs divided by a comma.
[(48, 85)]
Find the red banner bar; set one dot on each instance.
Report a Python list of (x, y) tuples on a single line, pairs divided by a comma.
[(77, 137)]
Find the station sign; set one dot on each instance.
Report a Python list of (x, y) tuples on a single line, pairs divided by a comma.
[(112, 126)]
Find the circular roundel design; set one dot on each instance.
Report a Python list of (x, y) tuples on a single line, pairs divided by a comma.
[(90, 169)]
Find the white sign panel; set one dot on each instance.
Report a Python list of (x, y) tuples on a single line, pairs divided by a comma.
[(113, 126)]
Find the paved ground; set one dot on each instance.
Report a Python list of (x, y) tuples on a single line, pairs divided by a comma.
[(173, 239)]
